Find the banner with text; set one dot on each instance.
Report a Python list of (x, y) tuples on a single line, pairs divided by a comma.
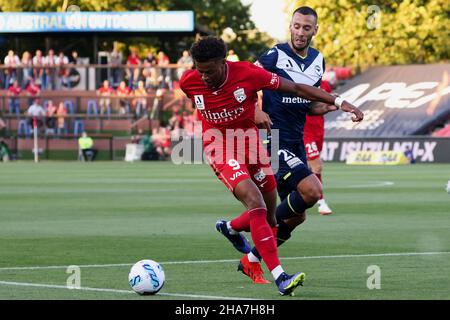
[(396, 101), (79, 21), (424, 149)]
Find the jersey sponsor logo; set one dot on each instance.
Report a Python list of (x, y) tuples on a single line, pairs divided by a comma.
[(223, 116), (274, 79), (239, 94), (294, 100), (238, 174), (259, 176), (199, 101), (270, 51)]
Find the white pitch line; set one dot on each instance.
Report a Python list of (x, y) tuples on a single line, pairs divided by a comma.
[(371, 185), (393, 254), (54, 286)]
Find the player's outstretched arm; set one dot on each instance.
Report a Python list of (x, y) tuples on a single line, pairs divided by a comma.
[(316, 94)]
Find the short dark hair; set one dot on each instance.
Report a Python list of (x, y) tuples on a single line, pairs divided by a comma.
[(208, 48), (306, 11)]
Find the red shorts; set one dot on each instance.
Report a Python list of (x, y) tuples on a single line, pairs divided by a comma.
[(232, 167), (313, 146)]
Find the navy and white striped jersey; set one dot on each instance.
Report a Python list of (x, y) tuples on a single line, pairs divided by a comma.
[(288, 112)]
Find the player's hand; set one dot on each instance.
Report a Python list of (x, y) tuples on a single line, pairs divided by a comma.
[(262, 120), (358, 115)]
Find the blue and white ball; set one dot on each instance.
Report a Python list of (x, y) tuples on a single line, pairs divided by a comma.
[(146, 277)]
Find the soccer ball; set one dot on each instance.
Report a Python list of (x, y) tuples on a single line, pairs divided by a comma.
[(146, 277), (447, 187)]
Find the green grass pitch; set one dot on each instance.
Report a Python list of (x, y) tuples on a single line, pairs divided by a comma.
[(104, 216)]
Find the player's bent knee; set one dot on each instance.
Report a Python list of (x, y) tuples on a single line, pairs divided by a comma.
[(310, 195)]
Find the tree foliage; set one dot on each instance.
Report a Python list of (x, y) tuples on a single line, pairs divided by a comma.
[(211, 15), (352, 33)]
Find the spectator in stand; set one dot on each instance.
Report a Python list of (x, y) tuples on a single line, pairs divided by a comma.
[(232, 56), (38, 70), (32, 90), (146, 141), (184, 63), (115, 60), (123, 92), (12, 61), (36, 110), (61, 115), (140, 101), (149, 71), (164, 74), (62, 71), (14, 102), (74, 59), (133, 64), (161, 140), (50, 117), (86, 145), (50, 70), (27, 68), (105, 91)]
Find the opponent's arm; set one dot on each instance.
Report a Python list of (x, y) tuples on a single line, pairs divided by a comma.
[(315, 94)]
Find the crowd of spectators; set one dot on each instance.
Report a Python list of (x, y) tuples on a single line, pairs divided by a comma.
[(127, 90)]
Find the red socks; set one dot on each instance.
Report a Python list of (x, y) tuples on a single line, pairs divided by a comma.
[(241, 223), (264, 237)]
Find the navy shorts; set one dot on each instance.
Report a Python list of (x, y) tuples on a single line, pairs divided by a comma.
[(292, 168)]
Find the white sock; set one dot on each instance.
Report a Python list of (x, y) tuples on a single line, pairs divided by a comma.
[(320, 202), (230, 229), (252, 258), (277, 271)]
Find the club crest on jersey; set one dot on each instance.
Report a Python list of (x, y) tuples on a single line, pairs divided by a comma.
[(259, 176), (199, 102), (318, 70), (239, 94)]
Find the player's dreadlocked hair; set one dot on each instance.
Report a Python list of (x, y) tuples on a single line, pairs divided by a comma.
[(306, 11), (208, 48)]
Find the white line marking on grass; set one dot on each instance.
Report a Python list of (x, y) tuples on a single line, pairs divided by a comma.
[(54, 286), (393, 254), (374, 184)]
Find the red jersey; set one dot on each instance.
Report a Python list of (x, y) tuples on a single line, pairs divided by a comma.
[(15, 90), (232, 105), (315, 125)]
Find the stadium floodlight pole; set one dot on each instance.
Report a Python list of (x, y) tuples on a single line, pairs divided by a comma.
[(35, 134)]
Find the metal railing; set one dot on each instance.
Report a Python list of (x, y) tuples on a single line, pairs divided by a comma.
[(90, 76)]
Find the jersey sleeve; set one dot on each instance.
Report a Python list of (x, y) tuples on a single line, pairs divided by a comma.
[(183, 84), (268, 60), (263, 79)]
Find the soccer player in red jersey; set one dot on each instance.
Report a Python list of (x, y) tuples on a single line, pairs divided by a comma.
[(225, 95), (313, 137)]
